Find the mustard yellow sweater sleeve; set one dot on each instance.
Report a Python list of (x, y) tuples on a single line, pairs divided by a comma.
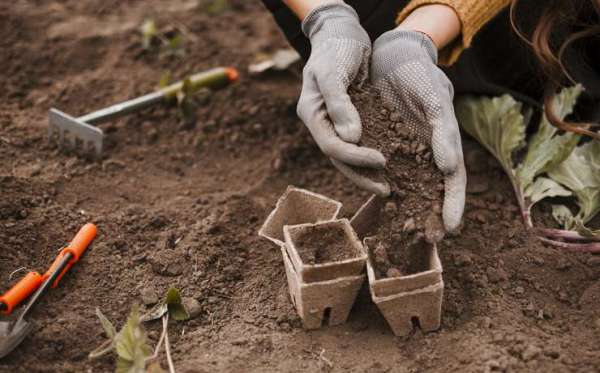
[(473, 14)]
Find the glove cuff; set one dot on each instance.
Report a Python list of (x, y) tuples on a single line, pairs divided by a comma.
[(332, 9), (408, 37)]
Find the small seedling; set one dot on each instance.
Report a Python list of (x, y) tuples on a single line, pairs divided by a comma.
[(129, 343), (170, 43), (553, 165), (185, 100), (133, 353), (171, 304), (149, 33)]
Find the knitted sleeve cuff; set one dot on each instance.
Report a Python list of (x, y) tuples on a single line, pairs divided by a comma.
[(473, 14)]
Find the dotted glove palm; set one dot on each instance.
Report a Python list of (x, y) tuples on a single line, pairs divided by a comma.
[(340, 53), (404, 71)]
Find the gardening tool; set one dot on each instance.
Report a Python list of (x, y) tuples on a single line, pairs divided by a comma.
[(81, 133), (22, 289), (13, 332)]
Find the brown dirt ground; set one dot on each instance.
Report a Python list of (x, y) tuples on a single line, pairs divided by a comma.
[(178, 207)]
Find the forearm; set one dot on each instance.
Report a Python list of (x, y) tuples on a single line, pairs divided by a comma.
[(472, 15), (439, 22), (301, 8)]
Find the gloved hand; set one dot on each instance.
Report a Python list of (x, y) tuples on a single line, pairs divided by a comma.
[(404, 71), (340, 53)]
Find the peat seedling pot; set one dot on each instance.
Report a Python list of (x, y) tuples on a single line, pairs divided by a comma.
[(324, 265), (297, 206), (407, 299), (324, 251)]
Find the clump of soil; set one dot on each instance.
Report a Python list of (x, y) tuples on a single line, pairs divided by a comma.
[(323, 244), (412, 215)]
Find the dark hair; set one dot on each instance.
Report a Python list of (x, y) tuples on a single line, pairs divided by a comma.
[(549, 51)]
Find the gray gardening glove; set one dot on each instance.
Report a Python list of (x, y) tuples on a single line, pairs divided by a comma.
[(340, 53), (404, 71)]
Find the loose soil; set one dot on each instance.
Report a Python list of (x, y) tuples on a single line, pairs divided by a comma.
[(412, 216), (324, 244), (178, 206)]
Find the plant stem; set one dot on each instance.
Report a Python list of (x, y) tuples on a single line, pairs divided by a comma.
[(578, 247), (159, 344), (167, 344), (565, 234), (525, 214)]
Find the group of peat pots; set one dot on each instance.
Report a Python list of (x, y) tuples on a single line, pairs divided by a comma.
[(326, 290)]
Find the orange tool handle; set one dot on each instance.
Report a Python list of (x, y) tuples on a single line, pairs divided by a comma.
[(80, 242), (20, 291), (232, 74)]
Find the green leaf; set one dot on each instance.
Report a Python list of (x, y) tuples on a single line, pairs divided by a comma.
[(585, 231), (149, 32), (131, 346), (546, 148), (108, 345), (562, 215), (173, 296), (175, 304), (108, 327), (497, 123), (544, 187), (580, 173)]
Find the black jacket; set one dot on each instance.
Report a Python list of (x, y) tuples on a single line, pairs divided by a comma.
[(497, 62)]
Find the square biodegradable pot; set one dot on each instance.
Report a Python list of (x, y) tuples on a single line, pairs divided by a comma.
[(297, 206), (353, 265), (319, 302), (403, 299), (409, 298)]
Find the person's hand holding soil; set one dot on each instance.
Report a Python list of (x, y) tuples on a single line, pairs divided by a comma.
[(404, 72), (340, 54)]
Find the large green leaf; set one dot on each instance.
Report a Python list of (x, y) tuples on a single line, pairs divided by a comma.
[(571, 170), (546, 148), (580, 172), (497, 123)]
